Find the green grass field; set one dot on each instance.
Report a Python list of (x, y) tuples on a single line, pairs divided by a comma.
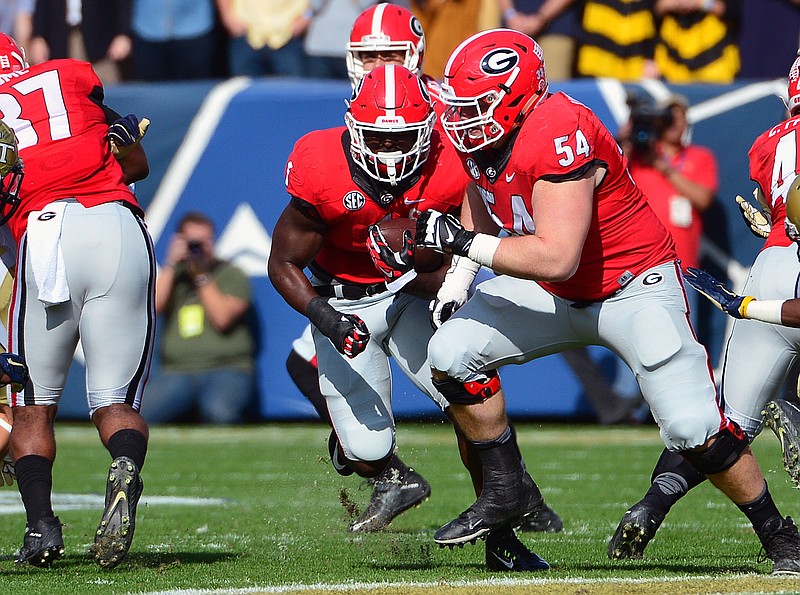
[(260, 510)]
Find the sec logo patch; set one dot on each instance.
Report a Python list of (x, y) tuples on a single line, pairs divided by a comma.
[(353, 201)]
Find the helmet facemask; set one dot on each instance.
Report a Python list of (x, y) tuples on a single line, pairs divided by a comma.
[(390, 150), (469, 121), (11, 173)]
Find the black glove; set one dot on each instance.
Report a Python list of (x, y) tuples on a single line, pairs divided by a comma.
[(125, 133), (444, 233), (348, 333), (14, 367), (723, 298)]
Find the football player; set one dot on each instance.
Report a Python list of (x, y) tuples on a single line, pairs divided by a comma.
[(385, 164), (385, 34), (11, 175), (583, 260), (770, 349), (73, 199)]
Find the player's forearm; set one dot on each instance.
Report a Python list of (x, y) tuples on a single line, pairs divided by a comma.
[(532, 257), (289, 281)]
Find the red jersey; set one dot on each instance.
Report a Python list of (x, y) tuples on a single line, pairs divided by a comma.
[(774, 164), (55, 110), (558, 140), (320, 173), (676, 212)]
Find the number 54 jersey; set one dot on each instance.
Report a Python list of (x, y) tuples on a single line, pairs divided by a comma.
[(56, 110), (559, 141)]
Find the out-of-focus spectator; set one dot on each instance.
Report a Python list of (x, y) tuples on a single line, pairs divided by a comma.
[(554, 24), (97, 31), (678, 178), (617, 40), (16, 19), (697, 40), (266, 36), (328, 32), (207, 341), (449, 22), (768, 39), (174, 40)]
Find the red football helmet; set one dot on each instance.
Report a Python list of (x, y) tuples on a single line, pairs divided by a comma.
[(793, 102), (385, 27), (390, 122), (12, 56), (490, 82)]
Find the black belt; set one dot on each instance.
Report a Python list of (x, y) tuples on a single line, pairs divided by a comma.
[(350, 292)]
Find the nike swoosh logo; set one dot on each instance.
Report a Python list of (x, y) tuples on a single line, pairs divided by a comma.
[(117, 500), (472, 526), (510, 177), (450, 237), (412, 201), (507, 563)]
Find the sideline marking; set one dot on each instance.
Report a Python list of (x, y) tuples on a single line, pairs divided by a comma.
[(11, 503), (498, 582)]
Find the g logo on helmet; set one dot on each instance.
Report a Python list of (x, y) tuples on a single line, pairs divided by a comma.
[(499, 61)]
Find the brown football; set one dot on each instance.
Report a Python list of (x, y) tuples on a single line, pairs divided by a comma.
[(425, 259)]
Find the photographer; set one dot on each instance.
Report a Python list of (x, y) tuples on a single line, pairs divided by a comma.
[(207, 342), (678, 178)]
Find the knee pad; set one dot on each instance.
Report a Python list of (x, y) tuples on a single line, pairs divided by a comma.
[(728, 446), (468, 393)]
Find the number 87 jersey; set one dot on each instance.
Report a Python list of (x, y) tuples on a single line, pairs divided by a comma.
[(56, 110), (562, 140)]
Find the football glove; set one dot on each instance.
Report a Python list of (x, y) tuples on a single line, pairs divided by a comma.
[(7, 473), (125, 133), (759, 222), (396, 267), (348, 333), (454, 291), (791, 230), (14, 369), (444, 233), (719, 295)]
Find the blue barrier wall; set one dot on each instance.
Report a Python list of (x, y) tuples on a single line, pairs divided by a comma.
[(221, 148)]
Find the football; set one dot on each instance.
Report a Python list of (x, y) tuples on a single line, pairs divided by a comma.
[(425, 259)]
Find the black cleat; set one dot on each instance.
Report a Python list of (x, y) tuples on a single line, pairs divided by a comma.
[(637, 527), (783, 418), (547, 521), (506, 553), (43, 543), (396, 490), (781, 545), (506, 503), (114, 536), (340, 464)]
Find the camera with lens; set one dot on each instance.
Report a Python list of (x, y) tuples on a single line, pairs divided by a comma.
[(195, 249), (647, 123)]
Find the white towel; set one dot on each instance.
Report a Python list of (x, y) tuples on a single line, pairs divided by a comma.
[(44, 251)]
